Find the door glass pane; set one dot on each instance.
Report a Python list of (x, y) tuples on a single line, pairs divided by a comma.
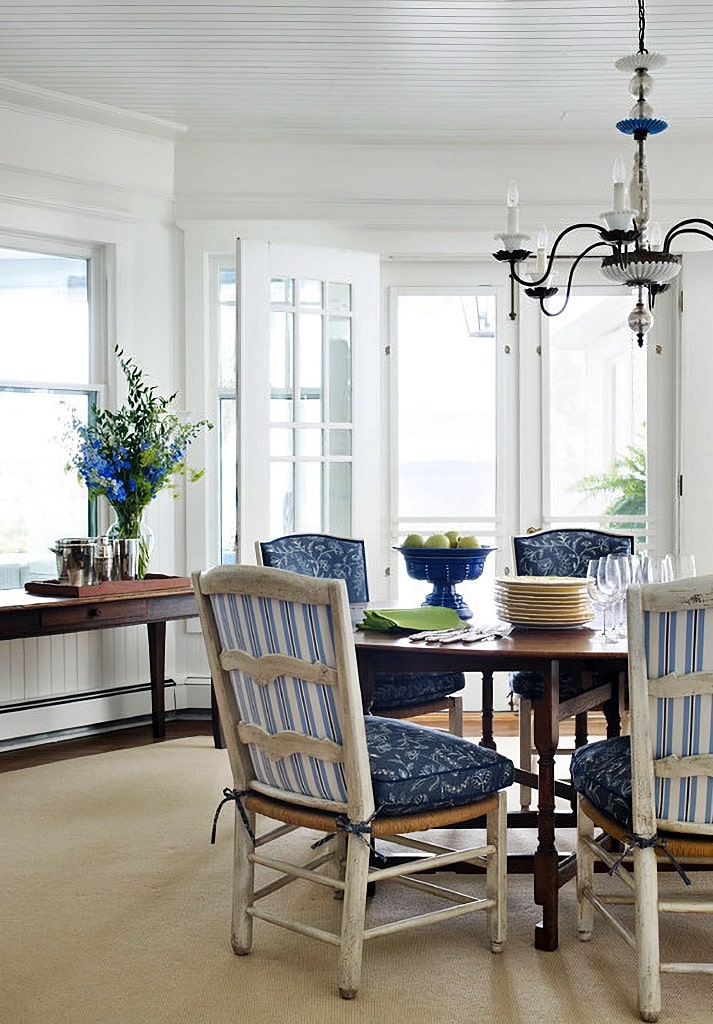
[(282, 499), (340, 368), (340, 489), (281, 357), (310, 293), (309, 371), (308, 488), (339, 297), (226, 327), (446, 412), (596, 415), (227, 480)]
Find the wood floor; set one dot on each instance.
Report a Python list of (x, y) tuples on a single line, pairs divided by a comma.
[(505, 724)]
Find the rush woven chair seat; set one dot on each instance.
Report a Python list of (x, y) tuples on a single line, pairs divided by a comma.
[(563, 552), (302, 754), (396, 695), (652, 791)]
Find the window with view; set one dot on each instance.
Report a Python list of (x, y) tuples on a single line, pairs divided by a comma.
[(45, 376)]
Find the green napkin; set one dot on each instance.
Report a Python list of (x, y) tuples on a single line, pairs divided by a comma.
[(427, 617)]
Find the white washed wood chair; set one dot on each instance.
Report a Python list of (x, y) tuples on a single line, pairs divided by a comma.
[(281, 653), (653, 791)]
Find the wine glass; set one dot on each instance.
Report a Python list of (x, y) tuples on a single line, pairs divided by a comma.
[(683, 566), (604, 587), (657, 568), (628, 567)]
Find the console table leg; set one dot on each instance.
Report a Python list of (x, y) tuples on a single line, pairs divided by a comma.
[(157, 669)]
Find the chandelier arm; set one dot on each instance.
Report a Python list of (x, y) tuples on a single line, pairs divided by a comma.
[(682, 228), (573, 268), (573, 227)]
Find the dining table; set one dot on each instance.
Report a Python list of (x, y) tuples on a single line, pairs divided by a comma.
[(601, 664)]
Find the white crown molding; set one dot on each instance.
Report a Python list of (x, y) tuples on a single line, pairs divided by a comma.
[(17, 96)]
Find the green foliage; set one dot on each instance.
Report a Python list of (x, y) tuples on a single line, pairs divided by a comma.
[(626, 482), (128, 455)]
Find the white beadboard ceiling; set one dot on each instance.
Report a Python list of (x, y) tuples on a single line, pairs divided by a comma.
[(404, 70)]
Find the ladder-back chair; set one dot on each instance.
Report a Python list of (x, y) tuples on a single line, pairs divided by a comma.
[(302, 753), (652, 791)]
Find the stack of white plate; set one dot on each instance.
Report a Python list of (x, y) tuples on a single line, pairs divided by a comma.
[(543, 601)]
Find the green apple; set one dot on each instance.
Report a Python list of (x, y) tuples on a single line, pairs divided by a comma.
[(414, 540), (468, 542), (452, 536), (437, 540)]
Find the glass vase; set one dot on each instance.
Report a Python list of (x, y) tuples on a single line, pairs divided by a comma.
[(131, 561)]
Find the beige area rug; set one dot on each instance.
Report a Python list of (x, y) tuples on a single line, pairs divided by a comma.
[(116, 910)]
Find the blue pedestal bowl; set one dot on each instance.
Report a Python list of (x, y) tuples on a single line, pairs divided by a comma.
[(444, 568)]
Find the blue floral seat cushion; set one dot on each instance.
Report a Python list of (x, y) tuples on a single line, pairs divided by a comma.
[(409, 689), (601, 772), (414, 768), (529, 685)]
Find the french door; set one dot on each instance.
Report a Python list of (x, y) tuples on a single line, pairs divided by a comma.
[(307, 410)]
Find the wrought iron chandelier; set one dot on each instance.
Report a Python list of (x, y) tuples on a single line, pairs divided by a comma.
[(638, 256)]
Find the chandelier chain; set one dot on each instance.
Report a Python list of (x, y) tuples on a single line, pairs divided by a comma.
[(642, 27)]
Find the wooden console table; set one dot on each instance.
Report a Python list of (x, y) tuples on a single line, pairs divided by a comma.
[(24, 616)]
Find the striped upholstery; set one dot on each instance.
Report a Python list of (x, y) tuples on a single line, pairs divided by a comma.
[(681, 726), (263, 626)]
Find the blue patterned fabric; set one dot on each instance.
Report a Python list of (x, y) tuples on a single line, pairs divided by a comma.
[(321, 555), (409, 689), (325, 556), (414, 768), (601, 771), (566, 552), (530, 685)]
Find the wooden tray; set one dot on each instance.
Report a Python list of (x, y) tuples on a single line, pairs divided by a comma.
[(152, 582)]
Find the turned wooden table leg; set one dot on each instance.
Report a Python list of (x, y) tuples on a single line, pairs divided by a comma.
[(486, 737), (157, 670), (546, 881)]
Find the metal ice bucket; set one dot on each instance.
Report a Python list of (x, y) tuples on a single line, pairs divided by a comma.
[(75, 560)]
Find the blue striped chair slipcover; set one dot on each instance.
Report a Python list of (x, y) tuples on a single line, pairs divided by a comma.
[(326, 556), (281, 651), (653, 791), (412, 767)]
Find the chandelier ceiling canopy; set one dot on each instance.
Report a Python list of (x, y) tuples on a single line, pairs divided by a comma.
[(638, 256)]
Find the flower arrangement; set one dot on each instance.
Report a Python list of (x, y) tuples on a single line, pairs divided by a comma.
[(131, 454)]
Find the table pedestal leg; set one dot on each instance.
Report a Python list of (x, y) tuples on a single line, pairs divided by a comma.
[(157, 669), (546, 882)]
